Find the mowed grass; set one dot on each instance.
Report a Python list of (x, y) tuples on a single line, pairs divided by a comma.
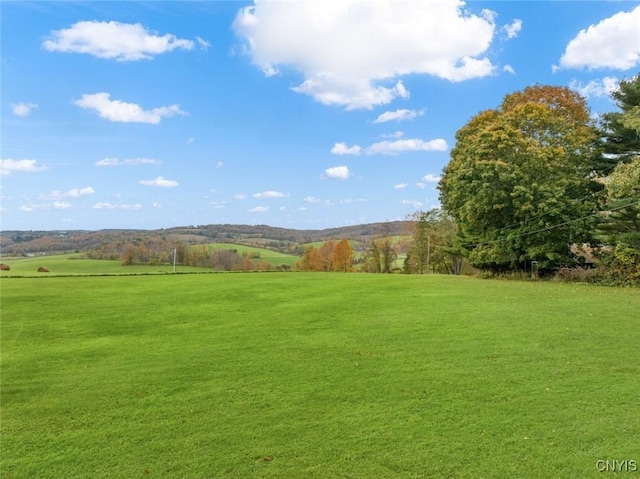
[(313, 375)]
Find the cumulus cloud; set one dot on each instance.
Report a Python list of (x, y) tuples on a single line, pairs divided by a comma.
[(409, 144), (259, 209), (395, 135), (72, 193), (23, 109), (120, 111), (612, 43), (159, 182), (25, 166), (269, 195), (431, 178), (337, 173), (114, 40), (343, 149), (128, 162), (312, 199), (61, 205), (398, 115), (204, 45), (414, 203), (109, 206), (352, 53), (400, 186), (595, 88), (513, 28)]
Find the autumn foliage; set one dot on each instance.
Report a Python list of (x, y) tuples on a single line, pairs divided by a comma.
[(331, 256)]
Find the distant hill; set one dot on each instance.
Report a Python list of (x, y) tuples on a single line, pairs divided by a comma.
[(278, 239)]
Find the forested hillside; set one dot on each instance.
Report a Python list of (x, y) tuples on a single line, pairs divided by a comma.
[(279, 239)]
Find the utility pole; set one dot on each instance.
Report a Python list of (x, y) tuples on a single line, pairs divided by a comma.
[(428, 251), (174, 259)]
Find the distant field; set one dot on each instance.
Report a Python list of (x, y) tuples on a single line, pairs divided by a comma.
[(275, 258), (314, 375), (74, 264)]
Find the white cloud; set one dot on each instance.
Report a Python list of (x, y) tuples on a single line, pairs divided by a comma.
[(218, 204), (270, 195), (73, 193), (317, 201), (431, 178), (509, 69), (400, 186), (113, 40), (612, 43), (343, 149), (23, 109), (351, 53), (61, 205), (109, 206), (414, 203), (240, 196), (26, 166), (337, 172), (156, 204), (129, 162), (410, 144), (513, 28), (595, 88), (159, 182), (398, 115), (259, 209), (120, 111), (204, 45), (395, 135)]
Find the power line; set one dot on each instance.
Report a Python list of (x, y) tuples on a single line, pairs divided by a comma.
[(548, 228)]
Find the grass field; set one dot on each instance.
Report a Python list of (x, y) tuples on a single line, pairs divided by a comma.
[(75, 264), (275, 258), (289, 375)]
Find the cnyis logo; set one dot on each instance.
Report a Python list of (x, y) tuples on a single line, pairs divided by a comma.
[(630, 465)]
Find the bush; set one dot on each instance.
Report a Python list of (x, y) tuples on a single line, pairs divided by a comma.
[(620, 266)]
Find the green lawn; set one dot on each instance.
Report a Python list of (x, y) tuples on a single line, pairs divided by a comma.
[(314, 375)]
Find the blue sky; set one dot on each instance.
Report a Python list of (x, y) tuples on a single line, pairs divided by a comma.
[(302, 114)]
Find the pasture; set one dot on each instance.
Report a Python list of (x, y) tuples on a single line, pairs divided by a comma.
[(76, 264), (274, 258), (316, 375)]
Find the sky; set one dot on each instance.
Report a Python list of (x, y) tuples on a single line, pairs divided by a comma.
[(303, 114)]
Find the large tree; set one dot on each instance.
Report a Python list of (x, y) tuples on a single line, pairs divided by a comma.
[(519, 180), (620, 223), (620, 129)]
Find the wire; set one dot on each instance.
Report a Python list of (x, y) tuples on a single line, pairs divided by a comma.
[(548, 228)]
